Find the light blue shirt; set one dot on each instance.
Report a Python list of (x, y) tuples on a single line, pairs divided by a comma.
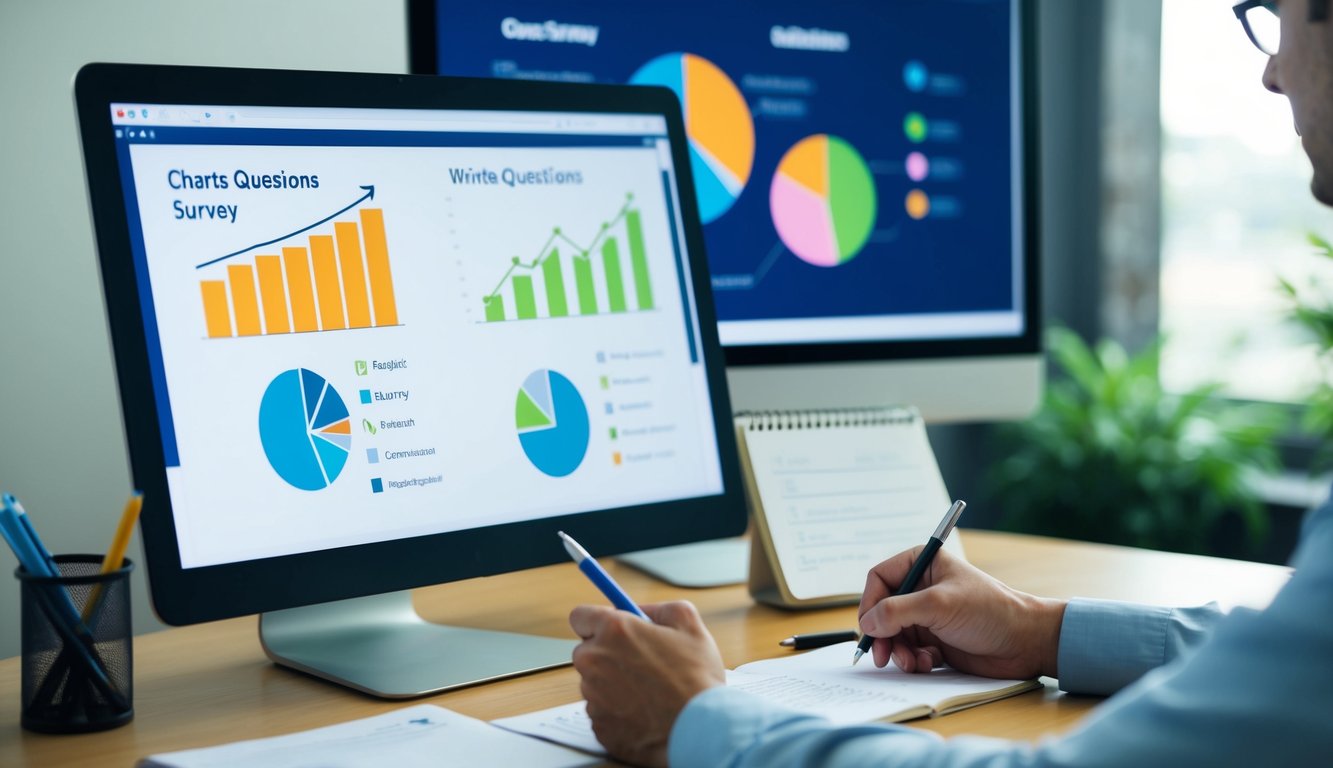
[(1196, 687)]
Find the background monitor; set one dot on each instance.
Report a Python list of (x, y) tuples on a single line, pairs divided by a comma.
[(375, 332), (865, 172)]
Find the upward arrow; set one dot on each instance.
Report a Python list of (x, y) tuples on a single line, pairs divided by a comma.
[(369, 195)]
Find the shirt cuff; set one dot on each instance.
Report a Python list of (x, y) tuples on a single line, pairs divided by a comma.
[(719, 722), (1106, 645)]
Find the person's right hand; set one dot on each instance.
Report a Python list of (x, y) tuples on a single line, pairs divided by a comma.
[(961, 617)]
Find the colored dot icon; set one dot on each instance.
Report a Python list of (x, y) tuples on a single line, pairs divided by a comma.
[(918, 204), (915, 76), (915, 127), (917, 166)]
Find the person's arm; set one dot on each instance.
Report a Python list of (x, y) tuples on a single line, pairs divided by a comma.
[(1106, 645), (1257, 692)]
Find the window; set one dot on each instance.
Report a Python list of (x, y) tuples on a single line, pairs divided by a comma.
[(1235, 214)]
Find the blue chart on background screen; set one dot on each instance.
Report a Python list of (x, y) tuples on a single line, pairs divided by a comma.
[(922, 91)]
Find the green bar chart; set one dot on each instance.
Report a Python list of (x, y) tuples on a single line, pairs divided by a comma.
[(615, 284), (638, 259), (555, 285), (525, 301), (583, 281), (540, 287)]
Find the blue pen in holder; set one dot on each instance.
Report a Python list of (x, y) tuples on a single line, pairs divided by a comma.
[(77, 675)]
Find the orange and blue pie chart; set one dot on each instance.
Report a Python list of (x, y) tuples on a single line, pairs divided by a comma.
[(717, 121)]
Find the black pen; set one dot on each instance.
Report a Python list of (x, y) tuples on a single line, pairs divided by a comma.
[(818, 639), (923, 562)]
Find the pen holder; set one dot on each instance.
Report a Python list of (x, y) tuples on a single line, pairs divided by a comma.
[(77, 661)]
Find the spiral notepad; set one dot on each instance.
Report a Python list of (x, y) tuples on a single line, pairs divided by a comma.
[(832, 493)]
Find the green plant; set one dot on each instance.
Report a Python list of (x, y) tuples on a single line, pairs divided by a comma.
[(1113, 457), (1312, 310)]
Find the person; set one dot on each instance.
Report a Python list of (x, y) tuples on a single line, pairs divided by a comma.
[(1192, 686)]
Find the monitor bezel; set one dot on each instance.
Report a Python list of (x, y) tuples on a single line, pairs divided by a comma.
[(423, 49), (190, 595)]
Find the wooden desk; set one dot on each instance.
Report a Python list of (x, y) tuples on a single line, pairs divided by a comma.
[(209, 684)]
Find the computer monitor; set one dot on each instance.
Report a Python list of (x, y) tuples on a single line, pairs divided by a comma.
[(865, 169), (375, 332)]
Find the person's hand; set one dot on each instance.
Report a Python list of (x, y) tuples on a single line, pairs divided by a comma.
[(961, 617), (637, 676)]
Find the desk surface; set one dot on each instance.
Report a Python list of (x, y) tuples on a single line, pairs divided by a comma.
[(210, 684)]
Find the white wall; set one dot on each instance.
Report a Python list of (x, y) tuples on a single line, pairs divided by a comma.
[(62, 448)]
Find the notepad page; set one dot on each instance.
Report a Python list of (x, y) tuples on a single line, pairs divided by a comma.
[(838, 500)]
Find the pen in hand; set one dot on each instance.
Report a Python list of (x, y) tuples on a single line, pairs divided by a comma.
[(919, 567), (600, 578), (818, 639)]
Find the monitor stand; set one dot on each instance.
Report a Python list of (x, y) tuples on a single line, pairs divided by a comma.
[(716, 563), (379, 645)]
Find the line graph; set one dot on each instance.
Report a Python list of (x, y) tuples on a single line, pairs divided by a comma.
[(598, 272)]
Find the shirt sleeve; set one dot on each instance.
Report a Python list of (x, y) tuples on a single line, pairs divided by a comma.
[(1257, 691), (1106, 645)]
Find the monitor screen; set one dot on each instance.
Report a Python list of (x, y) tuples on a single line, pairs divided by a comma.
[(368, 324), (378, 332), (859, 166)]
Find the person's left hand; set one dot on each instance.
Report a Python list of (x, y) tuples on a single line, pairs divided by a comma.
[(638, 676)]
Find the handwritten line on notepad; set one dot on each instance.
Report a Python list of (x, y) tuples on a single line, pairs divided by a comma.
[(854, 492)]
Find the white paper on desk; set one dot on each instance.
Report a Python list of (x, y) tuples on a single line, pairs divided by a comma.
[(822, 682), (837, 500), (424, 736), (566, 724)]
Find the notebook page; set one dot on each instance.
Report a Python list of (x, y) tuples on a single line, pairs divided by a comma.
[(838, 500), (821, 682), (840, 702), (846, 694)]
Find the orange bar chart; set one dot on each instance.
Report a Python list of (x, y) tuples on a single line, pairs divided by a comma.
[(244, 300), (338, 280)]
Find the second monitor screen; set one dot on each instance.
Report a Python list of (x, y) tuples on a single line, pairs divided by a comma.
[(857, 165)]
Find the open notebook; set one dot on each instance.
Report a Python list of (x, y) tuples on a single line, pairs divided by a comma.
[(821, 682)]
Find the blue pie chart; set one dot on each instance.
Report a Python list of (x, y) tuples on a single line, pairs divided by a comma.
[(305, 429), (552, 423)]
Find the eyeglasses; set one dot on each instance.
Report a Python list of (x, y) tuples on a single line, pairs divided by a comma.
[(1259, 18)]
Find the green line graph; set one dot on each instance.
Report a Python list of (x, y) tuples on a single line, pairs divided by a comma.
[(603, 256)]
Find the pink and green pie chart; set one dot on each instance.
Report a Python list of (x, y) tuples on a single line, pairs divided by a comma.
[(823, 200)]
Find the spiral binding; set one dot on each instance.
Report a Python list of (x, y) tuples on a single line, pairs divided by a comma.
[(773, 421)]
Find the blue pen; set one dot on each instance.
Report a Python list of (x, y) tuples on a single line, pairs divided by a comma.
[(42, 555), (34, 556), (19, 542), (600, 578), (35, 559)]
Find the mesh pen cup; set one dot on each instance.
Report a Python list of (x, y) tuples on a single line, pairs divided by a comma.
[(77, 663)]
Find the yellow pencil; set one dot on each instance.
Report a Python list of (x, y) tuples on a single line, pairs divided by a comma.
[(115, 556)]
